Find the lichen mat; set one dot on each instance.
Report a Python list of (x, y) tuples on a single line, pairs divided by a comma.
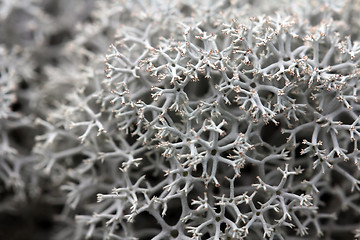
[(180, 119)]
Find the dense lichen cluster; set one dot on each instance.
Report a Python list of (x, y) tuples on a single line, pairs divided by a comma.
[(215, 120)]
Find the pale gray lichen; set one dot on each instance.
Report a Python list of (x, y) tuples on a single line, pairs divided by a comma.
[(213, 120)]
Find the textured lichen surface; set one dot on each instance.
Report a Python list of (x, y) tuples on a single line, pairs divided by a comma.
[(180, 119)]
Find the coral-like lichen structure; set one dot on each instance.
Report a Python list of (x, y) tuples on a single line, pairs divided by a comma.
[(202, 120)]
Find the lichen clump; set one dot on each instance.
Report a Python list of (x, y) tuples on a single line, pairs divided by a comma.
[(214, 120)]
